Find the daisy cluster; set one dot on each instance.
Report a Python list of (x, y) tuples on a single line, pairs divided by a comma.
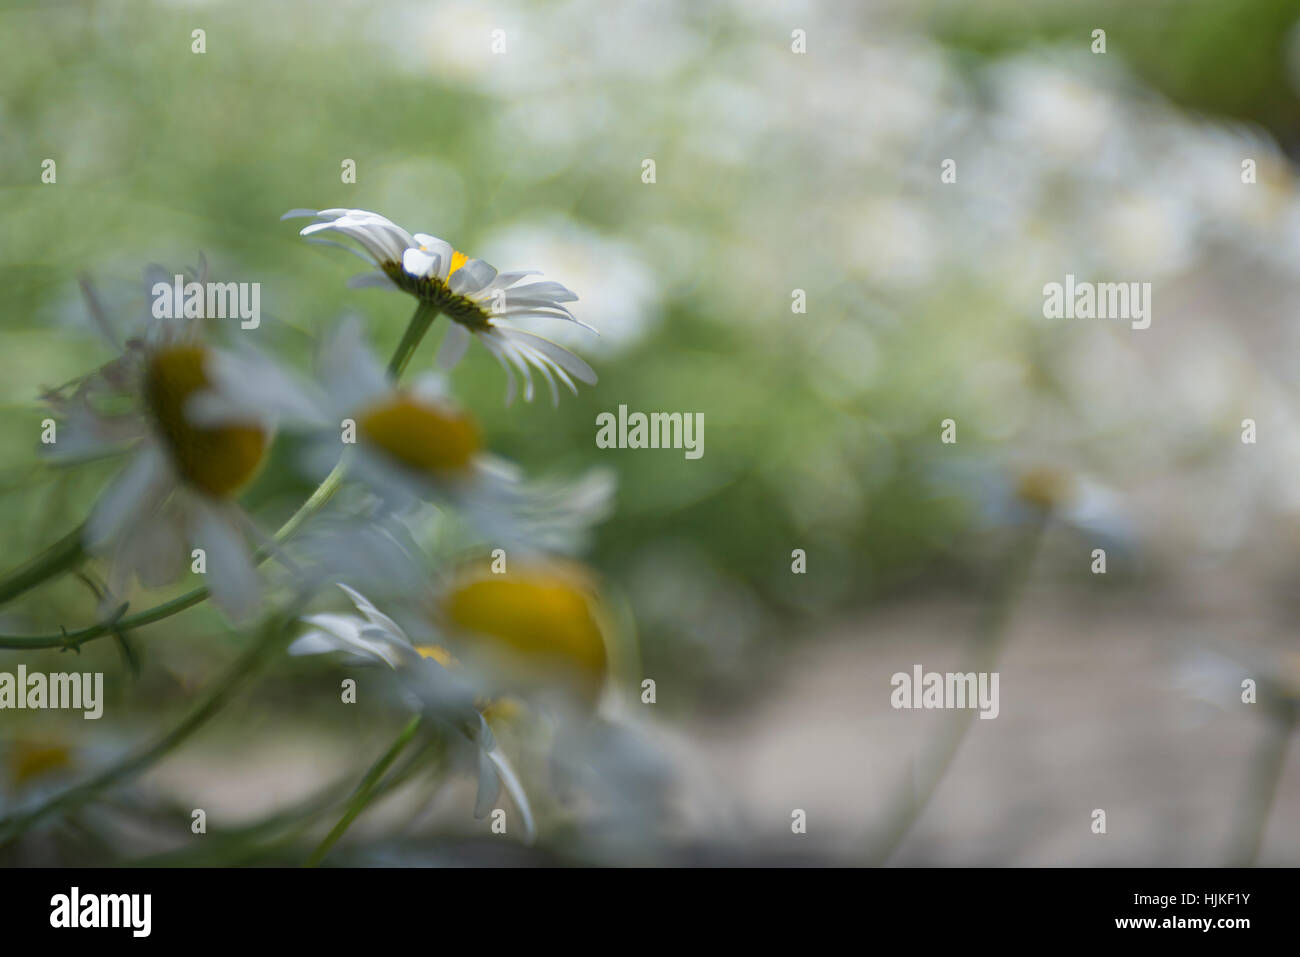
[(488, 613)]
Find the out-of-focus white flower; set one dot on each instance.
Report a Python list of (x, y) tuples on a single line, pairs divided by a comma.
[(371, 636), (470, 292), (415, 445), (180, 484)]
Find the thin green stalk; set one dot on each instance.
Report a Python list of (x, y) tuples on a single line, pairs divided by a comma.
[(366, 791), (424, 315), (1261, 786), (59, 557), (44, 566), (982, 656), (75, 639), (270, 640)]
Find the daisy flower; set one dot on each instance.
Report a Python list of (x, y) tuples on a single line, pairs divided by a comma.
[(370, 636), (477, 299), (414, 445), (486, 643), (179, 486), (540, 626)]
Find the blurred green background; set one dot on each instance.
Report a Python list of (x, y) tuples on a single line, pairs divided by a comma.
[(775, 171)]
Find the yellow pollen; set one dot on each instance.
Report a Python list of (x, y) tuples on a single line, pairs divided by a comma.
[(438, 654), (218, 460), (422, 436), (458, 259), (536, 623)]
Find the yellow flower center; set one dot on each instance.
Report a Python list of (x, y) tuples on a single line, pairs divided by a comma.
[(218, 460), (422, 436), (1045, 487), (438, 653), (28, 760), (457, 308), (537, 623)]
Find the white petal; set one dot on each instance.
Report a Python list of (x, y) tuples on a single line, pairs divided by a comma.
[(315, 643), (516, 791), (231, 575), (548, 291), (436, 247), (471, 277), (505, 280), (371, 280), (350, 370), (494, 345), (373, 614), (417, 262), (140, 487), (452, 348), (489, 785), (557, 354)]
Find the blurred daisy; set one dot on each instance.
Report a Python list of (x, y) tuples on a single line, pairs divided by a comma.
[(179, 487), (539, 626), (372, 637), (470, 292), (414, 445)]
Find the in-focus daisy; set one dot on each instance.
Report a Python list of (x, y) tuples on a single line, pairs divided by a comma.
[(479, 300), (178, 490), (431, 685), (414, 445)]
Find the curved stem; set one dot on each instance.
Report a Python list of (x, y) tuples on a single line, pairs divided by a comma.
[(365, 791), (982, 656), (247, 663), (68, 550), (75, 639), (423, 317), (1263, 777), (59, 557)]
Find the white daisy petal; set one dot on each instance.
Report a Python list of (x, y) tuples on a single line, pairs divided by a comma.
[(507, 775), (367, 608), (452, 348), (231, 574), (436, 247), (417, 262), (471, 277), (368, 260), (314, 643), (557, 354), (137, 490), (505, 280), (516, 356), (489, 785), (351, 373), (371, 280), (546, 291), (493, 345)]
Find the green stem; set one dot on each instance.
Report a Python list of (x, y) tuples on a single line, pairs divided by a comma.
[(423, 317), (1262, 781), (59, 557), (365, 791), (68, 550), (981, 656), (246, 665), (75, 639)]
